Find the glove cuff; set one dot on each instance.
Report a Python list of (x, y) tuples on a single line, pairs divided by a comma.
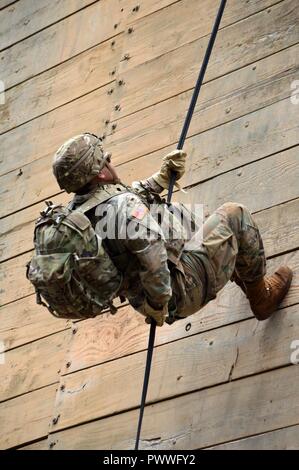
[(160, 180)]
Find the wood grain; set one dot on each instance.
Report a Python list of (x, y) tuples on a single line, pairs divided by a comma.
[(146, 7), (218, 150), (220, 101), (179, 367), (253, 184), (88, 113), (28, 17), (60, 85), (196, 20), (14, 284), (5, 3), (33, 366), (282, 439), (238, 45), (40, 445), (230, 411), (60, 42), (26, 418), (24, 321)]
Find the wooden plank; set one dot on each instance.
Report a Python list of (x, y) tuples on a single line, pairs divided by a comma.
[(107, 338), (179, 367), (145, 7), (26, 418), (251, 187), (283, 238), (16, 229), (223, 148), (180, 24), (24, 321), (226, 147), (33, 366), (40, 445), (251, 183), (14, 269), (52, 89), (231, 411), (282, 439), (60, 42), (92, 109), (27, 17), (220, 101), (6, 3), (238, 45), (144, 131)]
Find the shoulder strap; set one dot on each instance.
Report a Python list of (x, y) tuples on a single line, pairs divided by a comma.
[(102, 195)]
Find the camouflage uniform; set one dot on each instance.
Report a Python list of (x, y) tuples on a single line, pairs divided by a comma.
[(231, 243), (143, 260), (154, 269)]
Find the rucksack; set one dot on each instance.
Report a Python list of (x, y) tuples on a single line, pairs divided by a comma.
[(72, 274)]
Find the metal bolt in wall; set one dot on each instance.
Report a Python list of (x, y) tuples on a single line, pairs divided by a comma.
[(55, 420)]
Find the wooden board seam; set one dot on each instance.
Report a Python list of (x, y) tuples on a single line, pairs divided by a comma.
[(251, 435), (156, 347), (58, 65), (9, 4), (190, 135), (173, 397), (185, 186), (45, 27), (13, 397)]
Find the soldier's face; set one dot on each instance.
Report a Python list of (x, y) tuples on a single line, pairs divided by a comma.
[(108, 174)]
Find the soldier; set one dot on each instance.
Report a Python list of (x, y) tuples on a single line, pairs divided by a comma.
[(162, 278)]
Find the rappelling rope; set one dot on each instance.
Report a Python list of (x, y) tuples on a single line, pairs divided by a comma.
[(180, 145)]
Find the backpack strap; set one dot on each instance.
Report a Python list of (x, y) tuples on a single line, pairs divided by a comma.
[(103, 194)]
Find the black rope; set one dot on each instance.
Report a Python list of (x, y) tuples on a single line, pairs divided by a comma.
[(150, 349), (197, 89), (180, 145)]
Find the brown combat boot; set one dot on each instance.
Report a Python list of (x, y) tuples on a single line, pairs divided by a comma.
[(266, 294)]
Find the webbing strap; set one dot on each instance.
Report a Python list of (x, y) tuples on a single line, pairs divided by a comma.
[(180, 145)]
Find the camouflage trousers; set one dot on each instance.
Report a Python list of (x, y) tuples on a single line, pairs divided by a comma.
[(231, 245)]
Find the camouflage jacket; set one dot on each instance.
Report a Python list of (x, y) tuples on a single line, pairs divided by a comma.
[(135, 242), (155, 261)]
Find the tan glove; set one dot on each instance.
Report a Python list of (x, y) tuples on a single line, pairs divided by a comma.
[(173, 161), (149, 312)]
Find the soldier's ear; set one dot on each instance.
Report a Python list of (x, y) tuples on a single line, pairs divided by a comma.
[(102, 175)]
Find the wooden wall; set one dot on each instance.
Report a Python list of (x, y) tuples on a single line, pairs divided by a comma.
[(125, 69)]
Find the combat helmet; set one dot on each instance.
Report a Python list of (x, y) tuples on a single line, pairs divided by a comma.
[(78, 160)]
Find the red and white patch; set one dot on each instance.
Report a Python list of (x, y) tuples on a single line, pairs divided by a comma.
[(139, 212)]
